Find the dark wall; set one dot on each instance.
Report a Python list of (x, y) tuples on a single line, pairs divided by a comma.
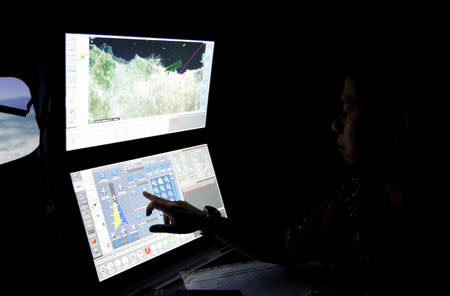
[(274, 98)]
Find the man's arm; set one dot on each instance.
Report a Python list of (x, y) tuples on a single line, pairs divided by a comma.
[(262, 244), (252, 241)]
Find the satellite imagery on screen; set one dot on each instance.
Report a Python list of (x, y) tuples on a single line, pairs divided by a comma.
[(132, 78)]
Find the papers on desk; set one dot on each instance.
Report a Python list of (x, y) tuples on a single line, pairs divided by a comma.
[(251, 278)]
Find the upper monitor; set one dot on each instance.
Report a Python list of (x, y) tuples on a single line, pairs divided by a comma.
[(121, 88)]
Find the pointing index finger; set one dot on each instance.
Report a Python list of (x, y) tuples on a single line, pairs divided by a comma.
[(150, 196), (156, 203)]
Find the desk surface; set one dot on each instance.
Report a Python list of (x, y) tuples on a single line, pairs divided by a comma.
[(229, 258)]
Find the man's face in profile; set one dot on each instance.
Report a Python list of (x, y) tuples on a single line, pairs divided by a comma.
[(348, 124)]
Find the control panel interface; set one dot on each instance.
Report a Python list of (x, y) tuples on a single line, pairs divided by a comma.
[(113, 207), (121, 88)]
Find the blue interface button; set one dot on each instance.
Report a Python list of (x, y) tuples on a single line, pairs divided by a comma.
[(168, 165), (154, 182), (155, 167), (155, 190), (170, 193), (162, 166), (141, 175), (148, 169), (168, 186), (133, 192), (116, 244), (164, 195), (130, 178), (166, 179), (114, 173), (102, 175), (161, 188)]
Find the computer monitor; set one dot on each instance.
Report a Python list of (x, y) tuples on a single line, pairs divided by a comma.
[(121, 88), (113, 208)]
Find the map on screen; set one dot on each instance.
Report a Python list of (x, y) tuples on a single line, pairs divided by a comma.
[(121, 88), (140, 78)]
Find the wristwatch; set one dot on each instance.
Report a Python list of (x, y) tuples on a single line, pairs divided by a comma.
[(212, 217)]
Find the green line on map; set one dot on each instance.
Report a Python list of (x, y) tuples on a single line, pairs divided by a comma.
[(175, 66)]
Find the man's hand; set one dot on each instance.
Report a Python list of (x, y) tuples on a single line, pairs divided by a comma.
[(182, 217), (179, 216)]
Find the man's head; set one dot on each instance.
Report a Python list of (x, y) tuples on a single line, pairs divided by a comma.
[(348, 124), (371, 123)]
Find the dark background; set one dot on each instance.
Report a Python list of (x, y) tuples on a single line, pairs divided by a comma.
[(276, 82), (169, 52)]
